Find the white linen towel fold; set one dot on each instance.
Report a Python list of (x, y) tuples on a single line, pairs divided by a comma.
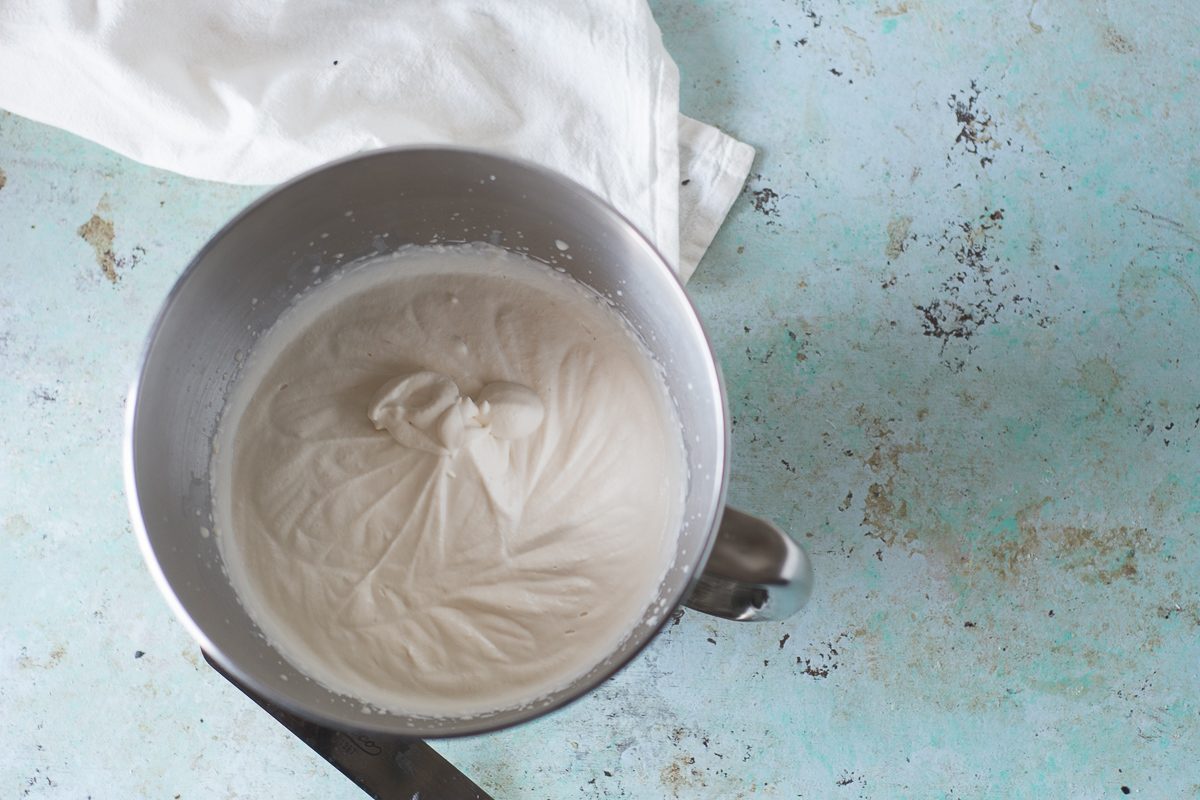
[(256, 92)]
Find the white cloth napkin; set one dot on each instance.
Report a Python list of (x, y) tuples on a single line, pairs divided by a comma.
[(257, 91)]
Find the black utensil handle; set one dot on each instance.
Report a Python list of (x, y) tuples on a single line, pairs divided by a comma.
[(385, 767)]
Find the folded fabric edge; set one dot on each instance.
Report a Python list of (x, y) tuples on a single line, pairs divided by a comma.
[(713, 167)]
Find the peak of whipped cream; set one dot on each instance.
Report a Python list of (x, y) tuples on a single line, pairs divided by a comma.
[(426, 411)]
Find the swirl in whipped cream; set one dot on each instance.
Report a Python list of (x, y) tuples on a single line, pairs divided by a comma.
[(448, 482)]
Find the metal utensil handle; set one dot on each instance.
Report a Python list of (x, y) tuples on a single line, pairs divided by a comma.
[(755, 572), (385, 767)]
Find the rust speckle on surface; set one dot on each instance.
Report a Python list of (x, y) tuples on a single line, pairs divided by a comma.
[(99, 233), (763, 199), (190, 657), (976, 127), (57, 654), (766, 201), (680, 775), (897, 232), (884, 516), (979, 287), (889, 455), (16, 525), (823, 659), (813, 670), (881, 514), (1009, 558), (968, 298), (1103, 556), (1114, 41), (25, 661), (1175, 609), (3, 179), (1098, 378), (1093, 555)]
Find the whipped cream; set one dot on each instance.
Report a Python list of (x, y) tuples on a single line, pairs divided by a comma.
[(448, 482), (425, 411)]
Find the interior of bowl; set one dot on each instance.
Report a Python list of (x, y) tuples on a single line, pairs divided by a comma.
[(299, 235)]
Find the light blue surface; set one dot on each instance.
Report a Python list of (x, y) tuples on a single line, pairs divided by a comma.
[(958, 310)]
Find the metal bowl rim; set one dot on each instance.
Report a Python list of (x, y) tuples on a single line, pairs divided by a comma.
[(464, 726)]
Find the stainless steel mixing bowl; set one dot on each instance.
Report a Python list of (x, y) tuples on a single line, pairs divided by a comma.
[(729, 563)]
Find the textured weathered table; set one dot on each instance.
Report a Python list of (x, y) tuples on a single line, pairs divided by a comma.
[(958, 313)]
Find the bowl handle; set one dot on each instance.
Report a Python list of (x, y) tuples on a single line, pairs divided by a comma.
[(755, 572)]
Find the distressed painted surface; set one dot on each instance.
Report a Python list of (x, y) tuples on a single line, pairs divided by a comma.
[(957, 308)]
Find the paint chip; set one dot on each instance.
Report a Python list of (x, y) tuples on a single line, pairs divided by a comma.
[(99, 233)]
